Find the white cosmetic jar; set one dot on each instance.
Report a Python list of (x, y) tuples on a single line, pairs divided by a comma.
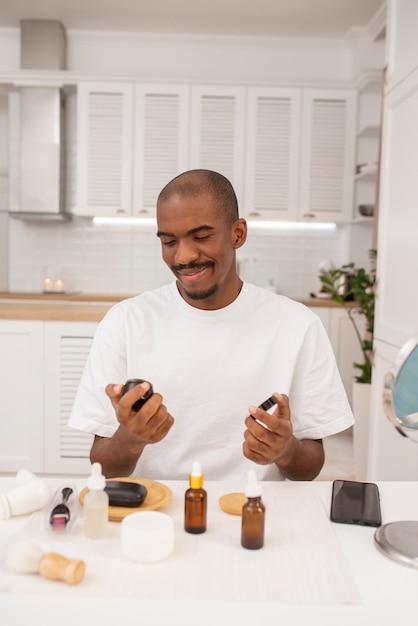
[(147, 536)]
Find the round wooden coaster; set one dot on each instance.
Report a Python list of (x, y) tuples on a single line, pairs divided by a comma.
[(232, 503)]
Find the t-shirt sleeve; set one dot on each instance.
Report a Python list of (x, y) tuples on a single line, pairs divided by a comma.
[(319, 404), (92, 409)]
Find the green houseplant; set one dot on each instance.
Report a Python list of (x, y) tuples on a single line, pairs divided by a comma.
[(350, 283)]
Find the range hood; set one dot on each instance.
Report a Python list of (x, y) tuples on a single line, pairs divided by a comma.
[(39, 111)]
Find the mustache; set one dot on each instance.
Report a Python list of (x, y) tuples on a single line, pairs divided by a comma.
[(191, 266)]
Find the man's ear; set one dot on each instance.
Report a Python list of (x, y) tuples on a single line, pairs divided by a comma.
[(239, 233)]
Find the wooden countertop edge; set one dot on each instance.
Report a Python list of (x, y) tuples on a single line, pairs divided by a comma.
[(89, 311), (66, 297), (53, 312)]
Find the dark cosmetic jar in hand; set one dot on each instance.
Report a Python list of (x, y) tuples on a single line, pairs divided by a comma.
[(133, 382)]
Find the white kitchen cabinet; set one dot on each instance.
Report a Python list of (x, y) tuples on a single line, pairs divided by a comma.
[(327, 155), (217, 131), (346, 345), (21, 389), (131, 139), (392, 457), (163, 130), (161, 147), (344, 341), (300, 154), (39, 374), (104, 149), (67, 345), (397, 259), (272, 153), (289, 152)]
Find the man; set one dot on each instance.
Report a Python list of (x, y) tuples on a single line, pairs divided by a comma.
[(214, 348)]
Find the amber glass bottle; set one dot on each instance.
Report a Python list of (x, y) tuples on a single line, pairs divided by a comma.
[(253, 514), (195, 503)]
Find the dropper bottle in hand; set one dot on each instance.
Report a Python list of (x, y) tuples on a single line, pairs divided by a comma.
[(195, 502), (253, 513), (96, 504)]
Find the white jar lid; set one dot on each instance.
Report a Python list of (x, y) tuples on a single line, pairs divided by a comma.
[(147, 536)]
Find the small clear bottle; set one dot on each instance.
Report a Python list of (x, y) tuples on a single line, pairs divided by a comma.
[(253, 514), (96, 505), (195, 502)]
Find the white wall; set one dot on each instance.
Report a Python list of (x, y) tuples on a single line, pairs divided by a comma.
[(207, 58), (257, 60), (127, 259)]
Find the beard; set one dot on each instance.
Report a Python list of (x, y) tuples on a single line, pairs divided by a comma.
[(196, 295), (200, 295)]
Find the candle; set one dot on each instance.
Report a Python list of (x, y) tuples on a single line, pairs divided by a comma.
[(59, 286), (47, 285)]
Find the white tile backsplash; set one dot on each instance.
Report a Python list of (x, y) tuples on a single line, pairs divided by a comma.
[(127, 259)]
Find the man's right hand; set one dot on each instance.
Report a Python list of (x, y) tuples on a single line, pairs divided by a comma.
[(148, 425)]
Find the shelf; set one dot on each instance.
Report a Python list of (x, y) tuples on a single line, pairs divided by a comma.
[(362, 219), (368, 172), (368, 132), (366, 176)]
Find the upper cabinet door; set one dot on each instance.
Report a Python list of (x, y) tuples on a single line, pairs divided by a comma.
[(272, 153), (293, 147), (217, 134), (327, 155), (161, 142), (104, 149)]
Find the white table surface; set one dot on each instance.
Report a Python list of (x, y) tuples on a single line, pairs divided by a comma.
[(209, 577)]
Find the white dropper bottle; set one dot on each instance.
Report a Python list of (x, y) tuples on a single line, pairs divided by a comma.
[(96, 504), (253, 513)]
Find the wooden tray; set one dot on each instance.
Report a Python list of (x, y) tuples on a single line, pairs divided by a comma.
[(158, 496)]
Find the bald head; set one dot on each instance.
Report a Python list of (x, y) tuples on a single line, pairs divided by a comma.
[(197, 182)]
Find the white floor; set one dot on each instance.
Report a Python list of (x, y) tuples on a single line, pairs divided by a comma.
[(338, 457)]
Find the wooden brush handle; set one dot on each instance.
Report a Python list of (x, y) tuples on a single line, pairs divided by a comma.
[(58, 567)]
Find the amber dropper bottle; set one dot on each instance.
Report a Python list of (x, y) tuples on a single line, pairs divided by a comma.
[(195, 502), (253, 513)]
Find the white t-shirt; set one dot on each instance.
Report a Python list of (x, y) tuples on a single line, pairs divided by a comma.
[(210, 366)]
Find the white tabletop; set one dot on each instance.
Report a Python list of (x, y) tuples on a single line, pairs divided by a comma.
[(309, 571)]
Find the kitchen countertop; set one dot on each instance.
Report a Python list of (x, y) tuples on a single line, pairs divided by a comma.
[(84, 307), (70, 307), (77, 296)]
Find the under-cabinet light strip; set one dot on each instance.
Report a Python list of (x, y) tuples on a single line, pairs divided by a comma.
[(252, 224)]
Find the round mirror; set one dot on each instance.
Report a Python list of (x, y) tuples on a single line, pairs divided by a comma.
[(400, 392), (399, 540)]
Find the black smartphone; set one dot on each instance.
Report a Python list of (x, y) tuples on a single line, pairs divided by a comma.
[(355, 502)]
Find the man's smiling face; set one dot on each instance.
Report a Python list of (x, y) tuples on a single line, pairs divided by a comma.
[(198, 245)]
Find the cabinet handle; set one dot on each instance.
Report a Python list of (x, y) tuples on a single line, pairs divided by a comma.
[(309, 215), (143, 211), (254, 214), (121, 211)]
